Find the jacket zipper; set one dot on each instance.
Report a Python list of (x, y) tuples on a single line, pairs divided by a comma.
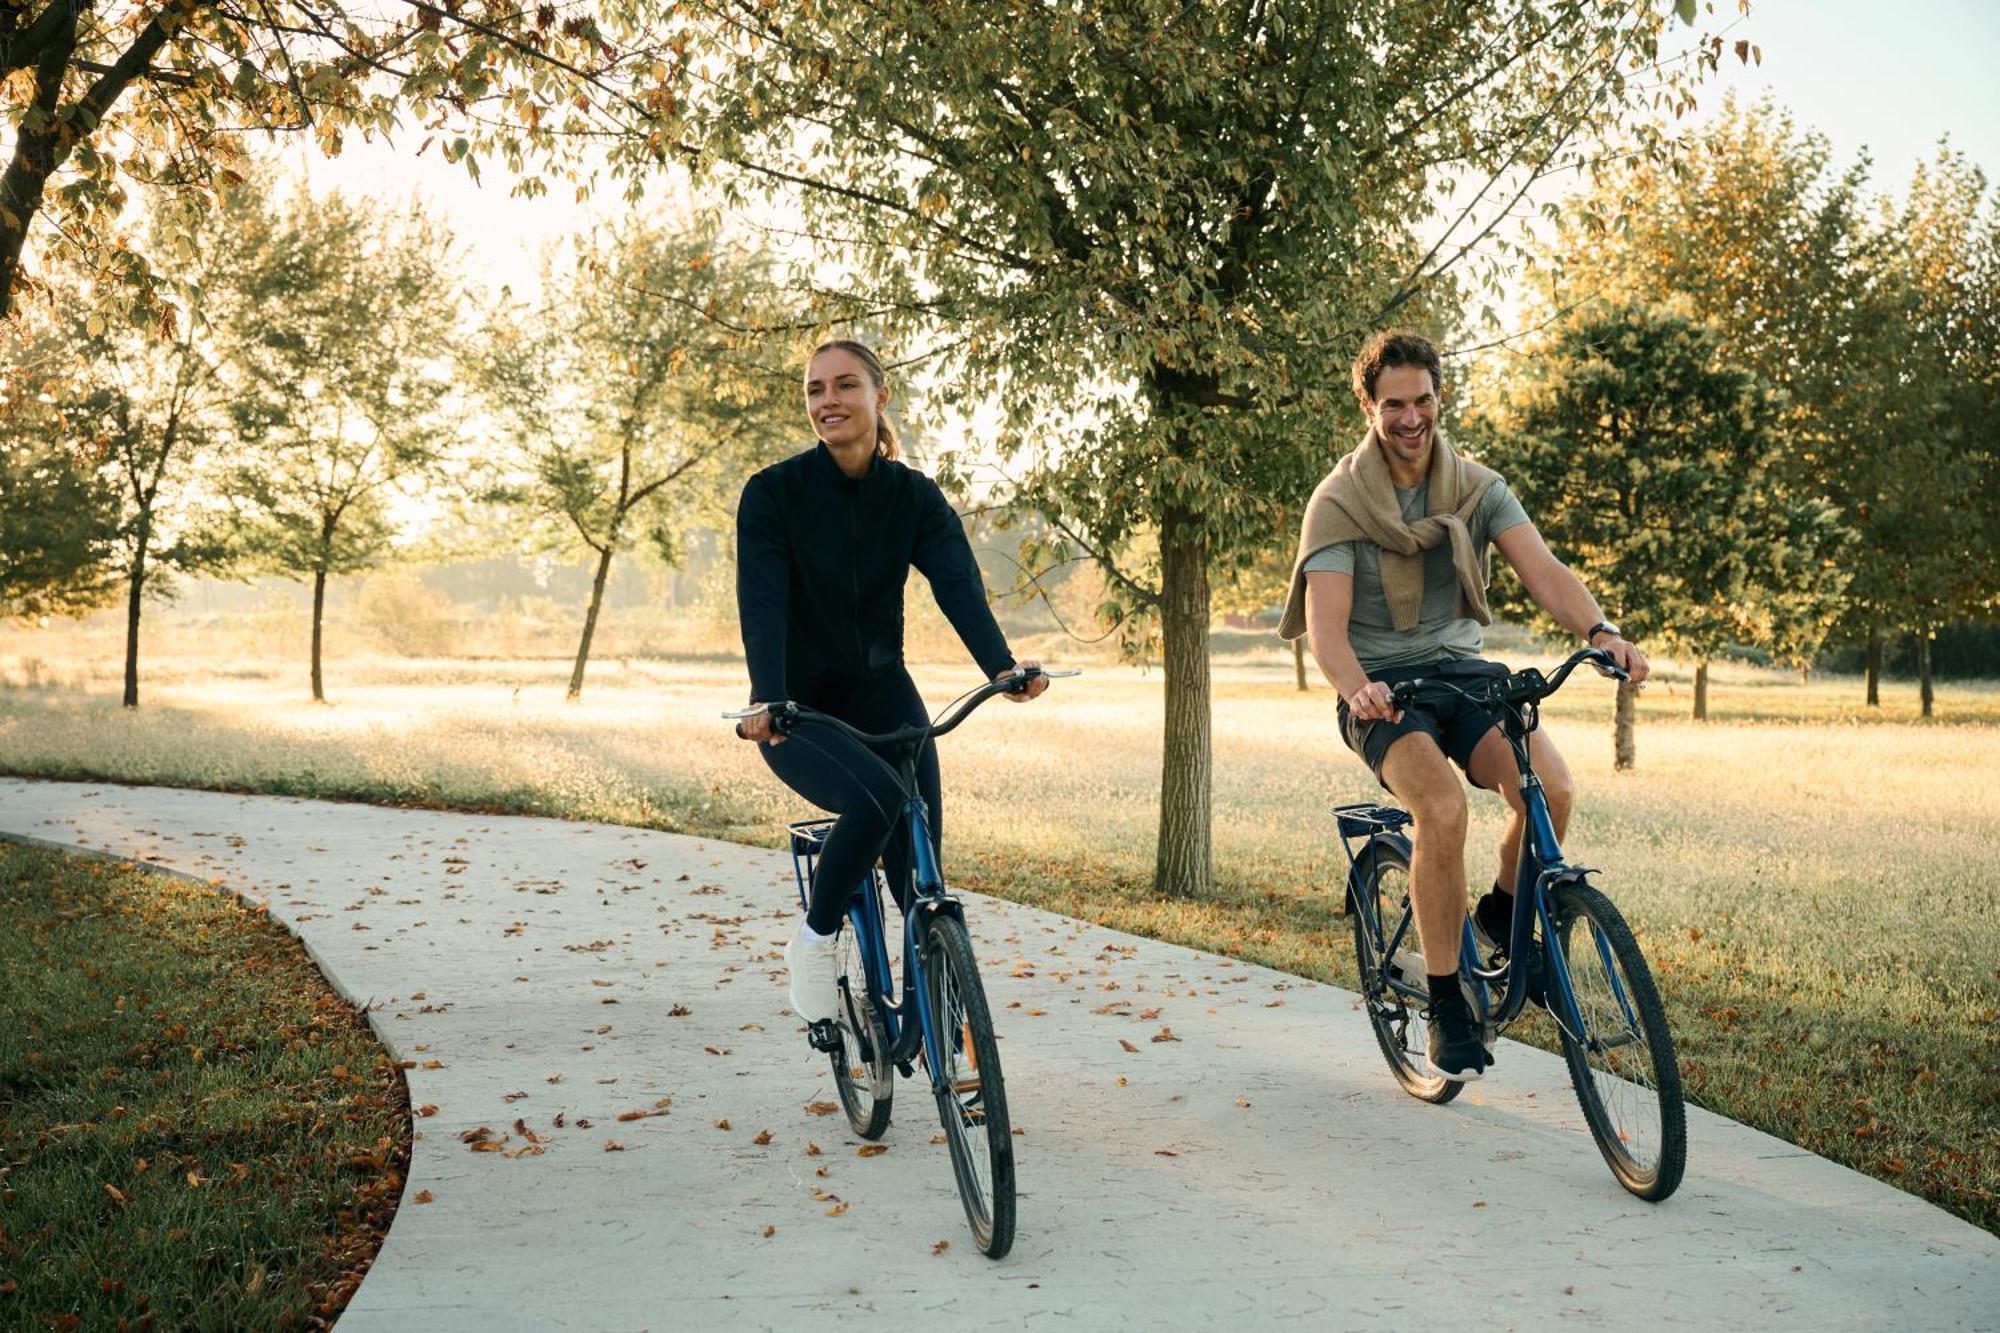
[(854, 574)]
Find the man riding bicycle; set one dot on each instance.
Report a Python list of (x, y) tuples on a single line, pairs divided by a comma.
[(1390, 582)]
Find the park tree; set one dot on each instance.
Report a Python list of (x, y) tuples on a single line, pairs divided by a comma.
[(1927, 483), (1649, 460), (58, 508), (343, 379), (96, 95), (141, 405), (1154, 233), (650, 377)]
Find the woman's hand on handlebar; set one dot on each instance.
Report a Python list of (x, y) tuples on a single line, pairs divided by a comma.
[(757, 727), (1036, 683), (1372, 703)]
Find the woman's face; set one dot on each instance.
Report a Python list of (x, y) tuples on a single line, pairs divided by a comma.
[(842, 401)]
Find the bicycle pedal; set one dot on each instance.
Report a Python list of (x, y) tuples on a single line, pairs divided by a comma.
[(824, 1035), (968, 1085)]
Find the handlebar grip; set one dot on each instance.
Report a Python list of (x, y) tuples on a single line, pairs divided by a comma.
[(1404, 694)]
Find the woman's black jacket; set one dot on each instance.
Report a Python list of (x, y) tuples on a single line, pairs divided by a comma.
[(821, 560)]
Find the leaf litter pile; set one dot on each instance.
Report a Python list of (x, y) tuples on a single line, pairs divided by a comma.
[(194, 1130)]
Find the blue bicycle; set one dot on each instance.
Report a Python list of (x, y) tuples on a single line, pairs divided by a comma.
[(1599, 990), (939, 1012)]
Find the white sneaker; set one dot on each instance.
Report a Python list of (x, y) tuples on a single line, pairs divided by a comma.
[(815, 965)]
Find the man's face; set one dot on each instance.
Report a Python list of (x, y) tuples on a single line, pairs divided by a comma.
[(1404, 413)]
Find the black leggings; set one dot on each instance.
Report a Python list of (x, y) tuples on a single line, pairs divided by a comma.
[(835, 773)]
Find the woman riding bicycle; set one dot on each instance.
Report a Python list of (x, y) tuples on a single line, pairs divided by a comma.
[(825, 542)]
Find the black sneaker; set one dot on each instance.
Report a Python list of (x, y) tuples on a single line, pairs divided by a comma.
[(1456, 1051)]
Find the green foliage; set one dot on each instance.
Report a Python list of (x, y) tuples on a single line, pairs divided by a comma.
[(1877, 323), (1653, 467), (58, 513), (341, 366), (96, 96), (1156, 231)]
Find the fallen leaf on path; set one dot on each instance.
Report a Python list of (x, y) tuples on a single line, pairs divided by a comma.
[(838, 1209), (613, 1145), (939, 1247), (769, 1232), (433, 1064), (475, 1135), (490, 1145), (679, 1011), (1165, 1034), (812, 1150), (871, 1150), (822, 1108), (514, 1097), (1128, 1046), (428, 1108), (1165, 1152), (423, 1196), (722, 1124), (763, 1138)]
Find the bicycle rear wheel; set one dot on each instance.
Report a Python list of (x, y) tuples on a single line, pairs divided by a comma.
[(1378, 890), (972, 1098), (863, 1073), (1622, 1061)]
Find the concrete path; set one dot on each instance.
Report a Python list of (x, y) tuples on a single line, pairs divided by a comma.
[(1258, 1169)]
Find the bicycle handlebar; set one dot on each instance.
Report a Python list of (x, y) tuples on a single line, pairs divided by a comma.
[(1520, 687), (786, 715)]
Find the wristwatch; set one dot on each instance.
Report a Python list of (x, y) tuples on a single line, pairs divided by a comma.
[(1601, 627)]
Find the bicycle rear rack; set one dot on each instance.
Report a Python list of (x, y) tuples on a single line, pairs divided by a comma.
[(1358, 821), (808, 836)]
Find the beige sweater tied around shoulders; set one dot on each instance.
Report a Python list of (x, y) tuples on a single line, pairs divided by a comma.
[(1357, 502)]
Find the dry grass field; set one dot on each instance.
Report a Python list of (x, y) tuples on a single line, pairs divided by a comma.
[(1814, 881)]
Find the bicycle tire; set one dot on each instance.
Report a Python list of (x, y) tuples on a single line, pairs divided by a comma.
[(863, 1074), (1378, 887), (1633, 1106), (972, 1099)]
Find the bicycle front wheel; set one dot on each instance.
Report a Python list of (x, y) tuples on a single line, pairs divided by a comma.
[(863, 1073), (1622, 1058), (1378, 897), (972, 1097)]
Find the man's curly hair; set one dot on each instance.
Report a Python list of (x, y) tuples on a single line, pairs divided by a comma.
[(1386, 351)]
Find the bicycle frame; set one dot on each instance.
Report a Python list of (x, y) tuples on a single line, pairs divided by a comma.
[(865, 914), (1540, 866)]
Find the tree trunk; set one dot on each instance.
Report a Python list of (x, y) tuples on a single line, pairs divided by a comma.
[(1924, 666), (1299, 661), (135, 589), (1185, 861), (319, 619), (1624, 754), (590, 620), (1701, 692), (1874, 668), (38, 150), (1805, 673)]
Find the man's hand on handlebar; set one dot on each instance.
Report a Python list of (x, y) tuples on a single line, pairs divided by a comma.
[(1371, 703), (1035, 684), (1627, 655)]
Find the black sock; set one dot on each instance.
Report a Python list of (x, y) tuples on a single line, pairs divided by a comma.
[(1445, 991), (1495, 915)]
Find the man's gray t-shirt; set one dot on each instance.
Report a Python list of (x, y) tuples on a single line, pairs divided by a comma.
[(1440, 631)]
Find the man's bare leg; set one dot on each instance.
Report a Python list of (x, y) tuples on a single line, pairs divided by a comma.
[(1417, 773), (1492, 767)]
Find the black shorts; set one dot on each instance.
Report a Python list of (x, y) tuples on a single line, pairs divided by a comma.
[(1453, 723)]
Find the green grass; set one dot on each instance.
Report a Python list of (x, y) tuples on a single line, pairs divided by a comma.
[(1812, 882), (195, 1132)]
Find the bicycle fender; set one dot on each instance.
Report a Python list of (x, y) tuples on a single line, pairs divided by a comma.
[(941, 904), (1396, 840)]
